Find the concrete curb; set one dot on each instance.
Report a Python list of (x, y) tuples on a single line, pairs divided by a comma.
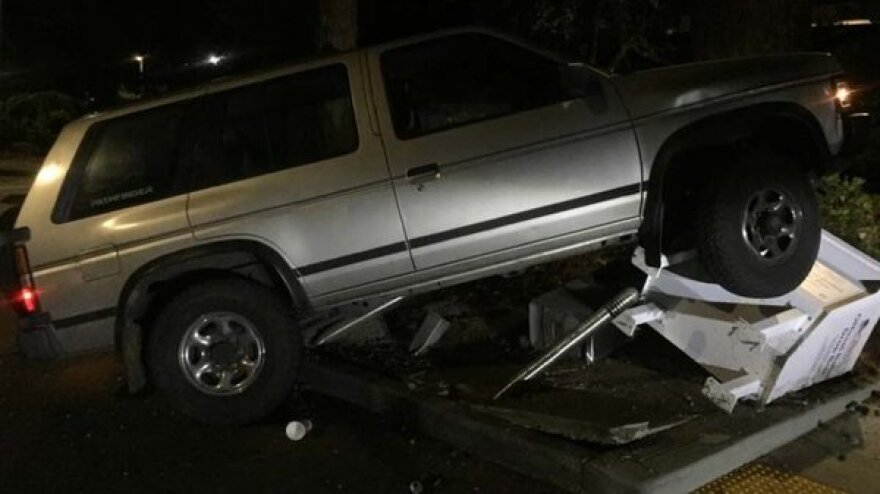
[(677, 461)]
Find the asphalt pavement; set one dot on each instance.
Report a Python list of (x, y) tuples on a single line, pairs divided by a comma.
[(65, 427)]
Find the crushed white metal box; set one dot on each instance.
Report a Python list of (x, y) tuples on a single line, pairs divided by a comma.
[(762, 349)]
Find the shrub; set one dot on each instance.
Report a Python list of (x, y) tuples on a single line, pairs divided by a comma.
[(849, 212)]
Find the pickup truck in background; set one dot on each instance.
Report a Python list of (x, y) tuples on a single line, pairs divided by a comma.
[(196, 230)]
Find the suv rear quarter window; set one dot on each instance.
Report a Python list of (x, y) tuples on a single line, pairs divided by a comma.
[(310, 116), (126, 161), (282, 123)]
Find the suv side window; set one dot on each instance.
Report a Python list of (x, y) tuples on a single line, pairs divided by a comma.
[(244, 142), (311, 116), (446, 83), (272, 126), (127, 161), (242, 133)]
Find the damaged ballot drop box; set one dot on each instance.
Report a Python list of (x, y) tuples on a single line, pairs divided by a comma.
[(762, 349)]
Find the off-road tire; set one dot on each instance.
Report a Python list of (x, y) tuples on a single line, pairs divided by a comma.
[(273, 319), (724, 250)]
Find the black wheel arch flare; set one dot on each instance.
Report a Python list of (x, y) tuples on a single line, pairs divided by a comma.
[(136, 296), (719, 130)]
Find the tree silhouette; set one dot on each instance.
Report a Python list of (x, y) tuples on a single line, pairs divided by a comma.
[(730, 28)]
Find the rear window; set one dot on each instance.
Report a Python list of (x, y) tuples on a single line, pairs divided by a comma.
[(126, 162)]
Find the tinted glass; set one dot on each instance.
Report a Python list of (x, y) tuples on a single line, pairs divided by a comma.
[(272, 126), (128, 161), (244, 142), (228, 136), (462, 79), (311, 117)]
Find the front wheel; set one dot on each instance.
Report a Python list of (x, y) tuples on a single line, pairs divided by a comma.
[(225, 352), (759, 231)]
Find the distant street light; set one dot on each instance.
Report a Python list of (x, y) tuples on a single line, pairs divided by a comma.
[(214, 59), (140, 61)]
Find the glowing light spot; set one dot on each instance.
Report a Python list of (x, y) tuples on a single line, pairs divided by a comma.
[(48, 174)]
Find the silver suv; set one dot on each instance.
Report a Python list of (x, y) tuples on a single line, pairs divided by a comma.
[(195, 231)]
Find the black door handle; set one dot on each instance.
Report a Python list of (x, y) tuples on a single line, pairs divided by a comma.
[(422, 174)]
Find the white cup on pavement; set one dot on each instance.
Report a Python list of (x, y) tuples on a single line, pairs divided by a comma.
[(298, 429)]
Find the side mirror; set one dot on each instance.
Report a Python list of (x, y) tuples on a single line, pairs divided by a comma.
[(578, 81)]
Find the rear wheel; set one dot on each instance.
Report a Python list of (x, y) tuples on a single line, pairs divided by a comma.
[(225, 351), (759, 228)]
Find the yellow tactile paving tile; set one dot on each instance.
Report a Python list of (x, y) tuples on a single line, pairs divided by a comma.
[(761, 479)]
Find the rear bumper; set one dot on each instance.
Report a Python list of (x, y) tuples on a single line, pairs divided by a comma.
[(37, 338)]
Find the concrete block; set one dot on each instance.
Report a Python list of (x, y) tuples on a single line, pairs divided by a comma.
[(552, 316), (557, 313)]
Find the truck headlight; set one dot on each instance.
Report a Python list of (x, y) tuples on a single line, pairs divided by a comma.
[(843, 94)]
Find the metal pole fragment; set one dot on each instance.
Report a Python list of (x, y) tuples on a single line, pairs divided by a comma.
[(336, 332), (601, 317)]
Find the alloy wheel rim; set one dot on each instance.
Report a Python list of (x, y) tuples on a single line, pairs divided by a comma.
[(771, 225), (221, 354)]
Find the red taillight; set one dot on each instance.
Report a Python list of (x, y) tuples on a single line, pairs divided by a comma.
[(27, 301)]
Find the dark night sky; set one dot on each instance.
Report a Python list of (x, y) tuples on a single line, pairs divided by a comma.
[(50, 32), (87, 45), (54, 31)]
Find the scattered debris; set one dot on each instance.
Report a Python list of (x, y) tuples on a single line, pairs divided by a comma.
[(433, 482), (584, 331), (642, 390), (555, 314), (426, 383), (433, 328), (385, 357), (633, 432), (596, 403), (552, 316), (360, 324)]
